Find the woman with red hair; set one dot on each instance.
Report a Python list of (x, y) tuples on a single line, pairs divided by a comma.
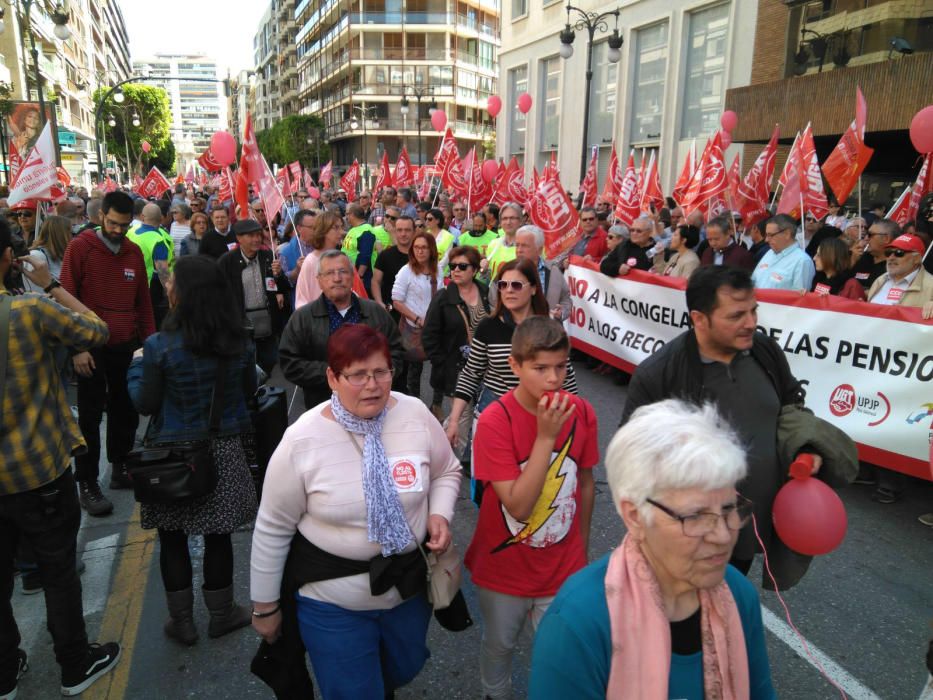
[(355, 488)]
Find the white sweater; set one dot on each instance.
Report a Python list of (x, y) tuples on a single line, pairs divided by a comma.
[(314, 483)]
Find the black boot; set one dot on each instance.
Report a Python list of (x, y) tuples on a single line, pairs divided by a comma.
[(226, 615), (180, 625)]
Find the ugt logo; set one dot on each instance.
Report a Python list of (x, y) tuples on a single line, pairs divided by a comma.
[(842, 400)]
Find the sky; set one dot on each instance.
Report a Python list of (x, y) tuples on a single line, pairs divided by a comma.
[(221, 29)]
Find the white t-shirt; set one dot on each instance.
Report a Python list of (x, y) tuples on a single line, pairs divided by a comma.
[(415, 290)]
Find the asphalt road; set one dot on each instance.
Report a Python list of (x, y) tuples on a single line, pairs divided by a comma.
[(865, 610)]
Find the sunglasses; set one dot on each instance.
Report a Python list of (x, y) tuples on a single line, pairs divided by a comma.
[(514, 285), (896, 252), (460, 266), (391, 218), (588, 219), (419, 225)]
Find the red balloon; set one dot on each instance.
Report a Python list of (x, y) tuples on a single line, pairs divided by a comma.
[(725, 138), (146, 146), (493, 105), (808, 515), (729, 120), (439, 119), (524, 103), (490, 170), (921, 130), (223, 148)]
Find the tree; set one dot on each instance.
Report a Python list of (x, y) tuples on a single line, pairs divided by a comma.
[(288, 141), (151, 104)]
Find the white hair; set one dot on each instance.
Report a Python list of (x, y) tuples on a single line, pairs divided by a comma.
[(619, 230), (517, 208), (534, 231), (668, 445)]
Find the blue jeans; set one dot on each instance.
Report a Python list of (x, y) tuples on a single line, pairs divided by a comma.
[(362, 654)]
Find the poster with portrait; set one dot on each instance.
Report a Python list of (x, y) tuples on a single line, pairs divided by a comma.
[(23, 127)]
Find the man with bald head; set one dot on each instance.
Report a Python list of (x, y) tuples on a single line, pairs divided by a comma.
[(158, 256)]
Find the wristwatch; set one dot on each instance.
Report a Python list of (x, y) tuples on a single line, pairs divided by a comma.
[(52, 285)]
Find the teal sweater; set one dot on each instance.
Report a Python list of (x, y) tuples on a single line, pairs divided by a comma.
[(572, 648)]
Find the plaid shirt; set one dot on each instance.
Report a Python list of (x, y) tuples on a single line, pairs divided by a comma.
[(39, 433)]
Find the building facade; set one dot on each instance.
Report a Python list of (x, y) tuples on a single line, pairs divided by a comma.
[(196, 98), (810, 58), (240, 101), (667, 88), (95, 54)]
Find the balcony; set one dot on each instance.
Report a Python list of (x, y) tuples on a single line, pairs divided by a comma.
[(393, 54), (398, 18)]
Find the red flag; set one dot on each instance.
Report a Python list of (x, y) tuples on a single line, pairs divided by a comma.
[(308, 182), (814, 197), (551, 209), (63, 176), (250, 157), (282, 181), (294, 175), (640, 181), (735, 179), (189, 176), (535, 178), (448, 163), (861, 113), (385, 175), (652, 192), (16, 162), (898, 210), (905, 211), (226, 185), (479, 191), (755, 190), (686, 174), (153, 185), (613, 178), (272, 199), (511, 186), (203, 178), (350, 180), (179, 179), (850, 156), (111, 186), (709, 179), (241, 191), (791, 201), (627, 206), (589, 187), (137, 182), (326, 174), (426, 180), (207, 161), (502, 170), (404, 177)]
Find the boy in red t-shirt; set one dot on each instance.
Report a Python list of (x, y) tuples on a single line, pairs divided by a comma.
[(534, 449)]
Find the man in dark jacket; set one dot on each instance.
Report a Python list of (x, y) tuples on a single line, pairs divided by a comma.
[(303, 350), (259, 289), (633, 253), (220, 238), (725, 360), (722, 249)]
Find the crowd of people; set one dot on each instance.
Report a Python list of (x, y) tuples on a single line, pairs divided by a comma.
[(165, 309)]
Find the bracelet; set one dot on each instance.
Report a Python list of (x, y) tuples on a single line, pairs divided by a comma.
[(269, 613), (52, 285)]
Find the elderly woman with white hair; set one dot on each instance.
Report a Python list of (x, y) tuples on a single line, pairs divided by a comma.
[(664, 615), (634, 254)]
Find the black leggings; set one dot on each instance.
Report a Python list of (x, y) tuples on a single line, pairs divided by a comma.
[(175, 561)]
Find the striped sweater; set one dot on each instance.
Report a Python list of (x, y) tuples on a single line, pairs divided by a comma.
[(488, 363), (113, 286)]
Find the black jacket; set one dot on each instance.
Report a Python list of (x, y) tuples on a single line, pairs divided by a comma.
[(232, 264), (216, 245), (445, 334), (622, 253), (303, 348)]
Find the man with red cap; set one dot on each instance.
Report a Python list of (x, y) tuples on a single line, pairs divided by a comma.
[(905, 283)]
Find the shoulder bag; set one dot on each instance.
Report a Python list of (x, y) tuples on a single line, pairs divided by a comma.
[(179, 474)]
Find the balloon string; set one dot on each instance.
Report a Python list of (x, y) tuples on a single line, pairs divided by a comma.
[(790, 622)]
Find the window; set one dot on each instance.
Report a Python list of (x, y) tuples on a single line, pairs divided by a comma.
[(648, 85), (603, 98), (519, 9), (518, 83), (550, 104), (706, 63)]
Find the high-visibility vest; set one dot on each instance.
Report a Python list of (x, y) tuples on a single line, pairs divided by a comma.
[(351, 244), (147, 241), (498, 253)]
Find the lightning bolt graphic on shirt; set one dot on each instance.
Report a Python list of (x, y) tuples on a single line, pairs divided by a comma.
[(544, 507)]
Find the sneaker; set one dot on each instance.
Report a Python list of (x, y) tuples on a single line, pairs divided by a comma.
[(93, 500), (119, 479), (22, 667), (32, 584), (100, 659), (884, 496), (926, 519)]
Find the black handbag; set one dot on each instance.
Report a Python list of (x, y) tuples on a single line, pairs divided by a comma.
[(179, 474)]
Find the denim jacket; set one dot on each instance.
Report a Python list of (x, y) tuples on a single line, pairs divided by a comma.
[(174, 386)]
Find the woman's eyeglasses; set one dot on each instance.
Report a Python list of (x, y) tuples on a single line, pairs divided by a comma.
[(514, 285), (460, 266), (360, 379), (701, 524)]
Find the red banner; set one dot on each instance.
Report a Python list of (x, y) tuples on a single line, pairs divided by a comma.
[(350, 180), (206, 160), (709, 179), (755, 190), (404, 177), (686, 173), (814, 197), (450, 167), (154, 184), (627, 205), (385, 175), (589, 188), (326, 174), (551, 209), (613, 178), (294, 175), (652, 194), (479, 191)]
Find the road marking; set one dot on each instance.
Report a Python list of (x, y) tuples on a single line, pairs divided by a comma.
[(124, 607), (851, 685), (95, 582)]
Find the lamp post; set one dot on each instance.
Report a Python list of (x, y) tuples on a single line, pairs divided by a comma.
[(112, 122), (364, 113), (418, 93), (60, 18), (591, 22)]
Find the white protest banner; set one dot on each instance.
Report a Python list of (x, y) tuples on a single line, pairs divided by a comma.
[(866, 368), (38, 175)]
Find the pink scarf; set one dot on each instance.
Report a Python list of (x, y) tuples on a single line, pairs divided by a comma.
[(641, 634)]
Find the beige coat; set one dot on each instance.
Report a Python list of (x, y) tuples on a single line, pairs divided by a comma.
[(680, 264), (917, 294)]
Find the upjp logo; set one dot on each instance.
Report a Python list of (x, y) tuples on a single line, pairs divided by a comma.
[(842, 401)]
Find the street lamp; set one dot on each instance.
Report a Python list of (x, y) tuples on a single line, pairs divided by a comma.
[(591, 22), (134, 120), (418, 93), (364, 113), (59, 16)]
